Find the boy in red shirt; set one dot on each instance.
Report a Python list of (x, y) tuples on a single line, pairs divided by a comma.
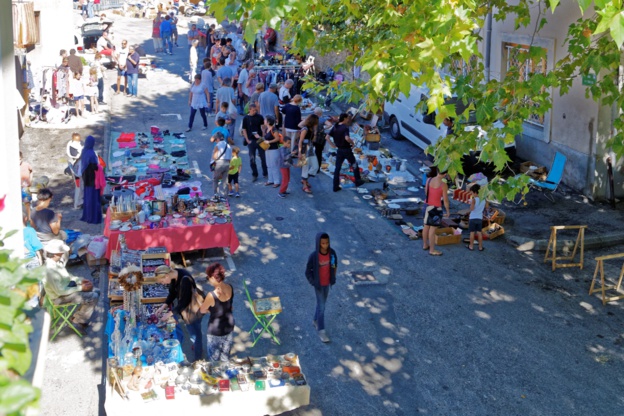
[(321, 273)]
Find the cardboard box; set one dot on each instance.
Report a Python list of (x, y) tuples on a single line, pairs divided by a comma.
[(445, 236), (92, 261), (373, 137)]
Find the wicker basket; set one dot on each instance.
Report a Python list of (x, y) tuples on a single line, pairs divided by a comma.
[(121, 215)]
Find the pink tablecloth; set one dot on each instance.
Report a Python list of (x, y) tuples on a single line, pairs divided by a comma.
[(176, 239)]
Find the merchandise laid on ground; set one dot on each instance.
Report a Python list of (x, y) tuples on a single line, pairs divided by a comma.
[(376, 164), (154, 201), (401, 197)]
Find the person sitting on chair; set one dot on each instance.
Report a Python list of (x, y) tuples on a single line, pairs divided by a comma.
[(62, 288)]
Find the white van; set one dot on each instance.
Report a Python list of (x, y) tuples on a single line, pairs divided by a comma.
[(406, 122), (419, 127)]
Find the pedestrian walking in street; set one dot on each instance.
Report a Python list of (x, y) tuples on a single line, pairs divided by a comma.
[(158, 46), (475, 219), (321, 274), (436, 193), (74, 151), (193, 60), (344, 143), (89, 167), (207, 80), (272, 153), (122, 58), (306, 155), (285, 162), (77, 92), (221, 156), (221, 128), (174, 28), (165, 33), (91, 90), (132, 71), (198, 96), (97, 64), (292, 117), (236, 165), (252, 132)]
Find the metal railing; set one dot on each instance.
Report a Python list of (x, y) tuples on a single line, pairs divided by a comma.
[(111, 4)]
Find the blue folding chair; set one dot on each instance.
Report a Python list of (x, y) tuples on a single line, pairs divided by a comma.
[(550, 185)]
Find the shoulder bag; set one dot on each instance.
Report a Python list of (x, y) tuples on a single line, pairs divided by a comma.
[(434, 215), (213, 164), (192, 312)]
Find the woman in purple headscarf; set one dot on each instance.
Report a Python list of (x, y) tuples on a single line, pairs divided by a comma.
[(91, 208)]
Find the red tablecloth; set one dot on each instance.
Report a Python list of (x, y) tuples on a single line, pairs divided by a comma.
[(176, 239)]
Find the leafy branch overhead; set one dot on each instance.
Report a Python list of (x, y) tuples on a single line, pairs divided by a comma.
[(16, 394), (400, 44)]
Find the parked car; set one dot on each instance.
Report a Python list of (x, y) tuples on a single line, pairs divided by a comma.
[(406, 122), (90, 32)]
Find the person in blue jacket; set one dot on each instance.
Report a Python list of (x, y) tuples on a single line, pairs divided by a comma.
[(321, 273)]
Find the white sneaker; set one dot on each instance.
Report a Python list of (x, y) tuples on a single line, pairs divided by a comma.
[(323, 336)]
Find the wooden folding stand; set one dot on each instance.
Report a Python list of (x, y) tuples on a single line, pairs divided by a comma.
[(603, 287), (552, 246)]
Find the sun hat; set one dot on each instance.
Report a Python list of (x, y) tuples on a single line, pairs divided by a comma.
[(56, 247)]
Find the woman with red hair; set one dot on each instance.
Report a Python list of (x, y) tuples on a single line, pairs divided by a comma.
[(221, 322)]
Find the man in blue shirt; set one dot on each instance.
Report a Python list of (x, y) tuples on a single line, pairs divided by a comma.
[(165, 34), (132, 71)]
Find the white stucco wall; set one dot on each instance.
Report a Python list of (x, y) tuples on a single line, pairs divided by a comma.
[(572, 126), (57, 31), (11, 216)]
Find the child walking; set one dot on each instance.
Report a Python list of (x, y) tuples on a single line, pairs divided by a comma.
[(321, 274), (475, 222), (91, 90), (77, 90), (236, 163), (284, 161)]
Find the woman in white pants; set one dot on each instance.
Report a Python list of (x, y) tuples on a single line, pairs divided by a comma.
[(193, 60), (306, 151), (272, 153)]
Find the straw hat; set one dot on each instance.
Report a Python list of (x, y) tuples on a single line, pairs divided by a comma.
[(162, 270), (56, 247)]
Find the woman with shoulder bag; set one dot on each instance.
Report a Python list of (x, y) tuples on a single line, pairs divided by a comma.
[(272, 152), (182, 289), (307, 158), (436, 191), (221, 323)]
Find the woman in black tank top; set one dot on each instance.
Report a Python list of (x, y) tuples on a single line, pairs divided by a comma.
[(221, 323)]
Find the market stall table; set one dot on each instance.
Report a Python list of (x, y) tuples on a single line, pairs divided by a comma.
[(267, 395), (197, 236)]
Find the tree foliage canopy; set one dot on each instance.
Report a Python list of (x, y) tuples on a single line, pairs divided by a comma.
[(400, 44)]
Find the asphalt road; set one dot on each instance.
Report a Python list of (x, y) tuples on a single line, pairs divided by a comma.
[(468, 333)]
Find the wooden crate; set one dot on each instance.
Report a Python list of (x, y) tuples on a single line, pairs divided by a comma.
[(445, 236), (492, 231)]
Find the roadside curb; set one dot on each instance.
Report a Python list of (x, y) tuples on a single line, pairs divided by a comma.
[(600, 241)]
